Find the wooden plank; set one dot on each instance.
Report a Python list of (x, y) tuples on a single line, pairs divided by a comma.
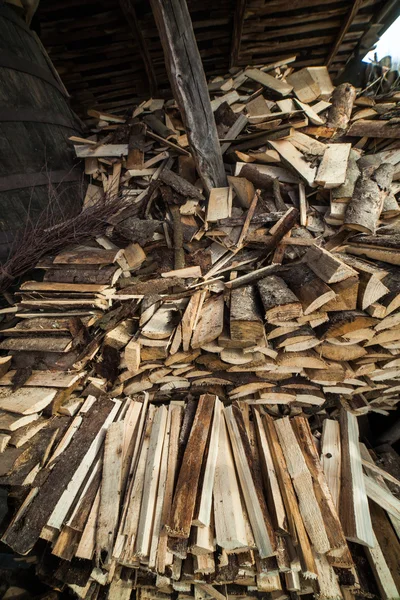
[(302, 481), (186, 488), (280, 87), (203, 513), (331, 457), (69, 494), (159, 504), (37, 344), (51, 379), (87, 256), (152, 471), (354, 511), (255, 503), (295, 521), (189, 86), (295, 160), (26, 401), (219, 204), (275, 500), (110, 492), (340, 554), (104, 150), (333, 167), (229, 522)]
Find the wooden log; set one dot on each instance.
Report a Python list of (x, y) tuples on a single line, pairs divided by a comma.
[(342, 104), (354, 511), (279, 302), (186, 488), (327, 266), (210, 323), (309, 288), (162, 552), (245, 319), (189, 87), (364, 209), (374, 128)]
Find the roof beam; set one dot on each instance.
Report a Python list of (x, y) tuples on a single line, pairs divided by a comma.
[(189, 86), (238, 21), (128, 9), (343, 30)]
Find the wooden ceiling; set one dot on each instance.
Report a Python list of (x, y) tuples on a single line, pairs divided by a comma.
[(109, 55)]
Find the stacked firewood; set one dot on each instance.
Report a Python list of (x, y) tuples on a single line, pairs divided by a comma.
[(179, 398), (206, 499)]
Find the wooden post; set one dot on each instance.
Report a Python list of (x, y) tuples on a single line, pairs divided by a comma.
[(189, 87)]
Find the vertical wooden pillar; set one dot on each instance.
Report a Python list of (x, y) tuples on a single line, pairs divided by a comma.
[(189, 86)]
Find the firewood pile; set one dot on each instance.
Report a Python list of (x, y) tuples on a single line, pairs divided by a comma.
[(179, 399)]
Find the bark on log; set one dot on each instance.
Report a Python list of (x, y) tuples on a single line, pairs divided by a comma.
[(342, 103), (189, 86), (365, 207)]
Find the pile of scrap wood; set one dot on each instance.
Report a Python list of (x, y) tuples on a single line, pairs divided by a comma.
[(179, 399), (214, 501)]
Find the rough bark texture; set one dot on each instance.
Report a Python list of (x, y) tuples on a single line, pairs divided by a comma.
[(365, 207), (342, 103), (189, 86), (26, 531)]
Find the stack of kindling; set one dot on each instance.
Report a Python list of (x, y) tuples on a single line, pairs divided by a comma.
[(179, 398), (208, 500)]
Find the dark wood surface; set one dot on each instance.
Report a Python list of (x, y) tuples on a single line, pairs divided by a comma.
[(30, 150), (189, 86)]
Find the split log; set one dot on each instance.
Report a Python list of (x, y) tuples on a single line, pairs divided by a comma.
[(280, 304), (354, 511), (245, 319), (365, 207), (186, 488), (342, 104), (189, 86)]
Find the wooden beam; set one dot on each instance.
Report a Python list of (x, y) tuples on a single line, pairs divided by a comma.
[(238, 21), (343, 30), (189, 86), (128, 9)]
